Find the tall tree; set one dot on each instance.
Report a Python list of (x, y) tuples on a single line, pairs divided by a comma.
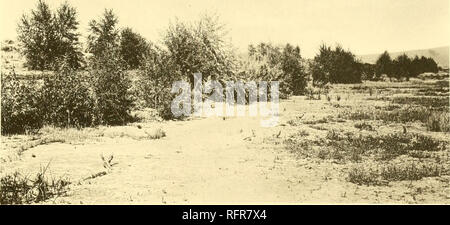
[(104, 35), (402, 67), (335, 66), (133, 48), (46, 37), (200, 48), (383, 65)]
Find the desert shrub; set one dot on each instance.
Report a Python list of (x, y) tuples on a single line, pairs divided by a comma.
[(47, 36), (156, 134), (438, 122), (20, 105), (66, 99), (363, 176), (385, 147), (382, 174), (18, 189), (410, 171), (364, 126)]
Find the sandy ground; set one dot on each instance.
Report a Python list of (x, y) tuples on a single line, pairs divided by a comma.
[(214, 161)]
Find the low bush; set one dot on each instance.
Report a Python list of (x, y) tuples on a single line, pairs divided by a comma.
[(19, 189), (438, 122), (20, 105), (66, 99)]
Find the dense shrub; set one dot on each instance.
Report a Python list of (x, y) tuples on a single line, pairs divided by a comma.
[(20, 105), (438, 121), (155, 79), (111, 88), (66, 99), (19, 189)]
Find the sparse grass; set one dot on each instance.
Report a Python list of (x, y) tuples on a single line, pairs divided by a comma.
[(435, 102), (18, 189), (353, 147), (438, 121)]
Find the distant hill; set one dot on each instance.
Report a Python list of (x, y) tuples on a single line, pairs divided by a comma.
[(439, 54)]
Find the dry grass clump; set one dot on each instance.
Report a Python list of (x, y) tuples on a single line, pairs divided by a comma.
[(18, 189), (438, 122), (364, 126), (156, 134), (381, 175)]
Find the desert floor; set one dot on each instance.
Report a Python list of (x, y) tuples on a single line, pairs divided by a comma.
[(221, 161)]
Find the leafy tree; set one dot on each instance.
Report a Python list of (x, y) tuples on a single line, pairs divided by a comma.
[(133, 48), (383, 65), (156, 77), (47, 37), (402, 67), (293, 69), (200, 48), (104, 35), (272, 63), (335, 66), (368, 71), (107, 69)]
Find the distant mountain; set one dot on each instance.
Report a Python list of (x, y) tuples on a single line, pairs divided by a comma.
[(439, 54)]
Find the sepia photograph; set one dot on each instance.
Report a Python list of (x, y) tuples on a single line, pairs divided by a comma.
[(225, 102)]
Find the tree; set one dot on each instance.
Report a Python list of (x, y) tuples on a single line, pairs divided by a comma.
[(402, 67), (293, 69), (103, 34), (273, 63), (47, 37), (200, 48), (107, 70), (133, 48), (335, 66), (383, 65), (156, 77)]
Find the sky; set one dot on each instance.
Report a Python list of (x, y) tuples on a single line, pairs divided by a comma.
[(363, 26)]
